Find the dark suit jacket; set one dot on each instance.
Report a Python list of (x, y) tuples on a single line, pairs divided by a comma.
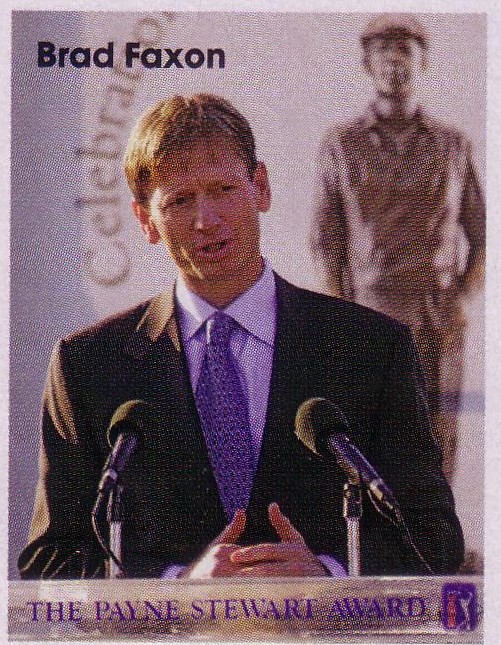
[(363, 361)]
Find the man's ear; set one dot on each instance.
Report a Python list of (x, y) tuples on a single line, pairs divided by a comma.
[(147, 225), (366, 62), (262, 186), (424, 60)]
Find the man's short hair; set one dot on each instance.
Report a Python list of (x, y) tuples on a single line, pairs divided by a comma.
[(178, 124)]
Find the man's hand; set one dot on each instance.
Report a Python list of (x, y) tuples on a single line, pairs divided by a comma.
[(290, 557), (224, 558), (215, 561)]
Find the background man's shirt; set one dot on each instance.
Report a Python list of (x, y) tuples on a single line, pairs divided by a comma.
[(397, 209)]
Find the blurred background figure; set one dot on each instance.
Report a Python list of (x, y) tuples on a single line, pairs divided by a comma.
[(399, 221)]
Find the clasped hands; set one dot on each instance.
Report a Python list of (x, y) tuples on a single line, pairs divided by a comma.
[(224, 558)]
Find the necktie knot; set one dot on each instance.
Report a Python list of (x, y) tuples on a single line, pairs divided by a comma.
[(221, 329)]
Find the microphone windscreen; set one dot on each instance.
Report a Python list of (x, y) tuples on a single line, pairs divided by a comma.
[(316, 419), (135, 415)]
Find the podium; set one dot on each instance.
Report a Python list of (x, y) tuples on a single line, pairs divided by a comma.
[(366, 609)]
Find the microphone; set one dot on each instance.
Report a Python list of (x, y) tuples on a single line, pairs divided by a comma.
[(321, 426), (125, 432)]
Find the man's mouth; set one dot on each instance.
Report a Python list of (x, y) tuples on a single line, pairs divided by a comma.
[(213, 247)]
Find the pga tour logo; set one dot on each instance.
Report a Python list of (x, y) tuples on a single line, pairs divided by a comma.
[(459, 607)]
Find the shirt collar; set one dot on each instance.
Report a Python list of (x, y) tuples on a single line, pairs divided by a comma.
[(371, 117), (260, 297)]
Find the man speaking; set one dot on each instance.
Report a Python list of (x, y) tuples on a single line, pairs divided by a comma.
[(220, 485)]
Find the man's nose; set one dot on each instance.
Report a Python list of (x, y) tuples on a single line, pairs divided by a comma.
[(394, 51), (206, 215)]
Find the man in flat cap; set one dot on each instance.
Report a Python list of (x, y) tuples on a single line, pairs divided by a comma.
[(400, 221)]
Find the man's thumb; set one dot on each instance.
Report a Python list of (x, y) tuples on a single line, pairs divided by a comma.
[(283, 526), (233, 530)]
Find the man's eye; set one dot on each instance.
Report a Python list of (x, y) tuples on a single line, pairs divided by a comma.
[(219, 190), (181, 200)]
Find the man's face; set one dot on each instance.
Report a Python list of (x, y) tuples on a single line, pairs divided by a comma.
[(205, 208), (395, 64)]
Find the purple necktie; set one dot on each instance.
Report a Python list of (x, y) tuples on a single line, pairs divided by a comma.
[(223, 410)]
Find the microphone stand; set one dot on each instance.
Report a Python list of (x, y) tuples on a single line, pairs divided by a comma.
[(352, 512), (115, 518)]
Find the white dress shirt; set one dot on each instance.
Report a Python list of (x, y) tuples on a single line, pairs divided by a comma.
[(251, 343)]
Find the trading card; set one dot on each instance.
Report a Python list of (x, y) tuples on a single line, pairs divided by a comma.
[(247, 293)]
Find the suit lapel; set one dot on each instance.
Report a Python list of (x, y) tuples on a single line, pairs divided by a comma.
[(156, 352), (158, 320), (288, 387), (288, 378), (157, 357)]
